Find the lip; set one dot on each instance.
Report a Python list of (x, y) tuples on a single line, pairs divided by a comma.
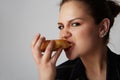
[(69, 41), (68, 50), (71, 46)]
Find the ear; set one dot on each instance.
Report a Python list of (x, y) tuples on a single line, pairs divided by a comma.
[(104, 27)]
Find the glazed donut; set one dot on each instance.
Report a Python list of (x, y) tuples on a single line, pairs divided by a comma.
[(58, 44)]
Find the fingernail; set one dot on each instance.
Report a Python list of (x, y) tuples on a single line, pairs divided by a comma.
[(38, 34), (42, 37)]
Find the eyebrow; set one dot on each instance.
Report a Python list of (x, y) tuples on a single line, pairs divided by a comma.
[(71, 20)]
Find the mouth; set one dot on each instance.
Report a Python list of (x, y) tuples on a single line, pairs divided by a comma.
[(71, 46)]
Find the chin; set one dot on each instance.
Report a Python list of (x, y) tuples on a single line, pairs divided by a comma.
[(71, 55), (71, 58)]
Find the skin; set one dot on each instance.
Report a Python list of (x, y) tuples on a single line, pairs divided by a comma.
[(79, 28), (45, 62)]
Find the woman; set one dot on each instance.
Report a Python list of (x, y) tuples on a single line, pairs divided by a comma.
[(86, 24)]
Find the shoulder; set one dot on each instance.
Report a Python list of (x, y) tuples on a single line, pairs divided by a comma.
[(117, 59), (114, 58), (64, 70), (113, 65)]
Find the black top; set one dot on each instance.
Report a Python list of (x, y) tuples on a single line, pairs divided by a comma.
[(75, 70)]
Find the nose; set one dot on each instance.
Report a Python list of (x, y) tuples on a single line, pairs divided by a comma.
[(65, 34)]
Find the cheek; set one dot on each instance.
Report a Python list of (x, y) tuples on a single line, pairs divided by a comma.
[(60, 35), (85, 38), (86, 33), (82, 34)]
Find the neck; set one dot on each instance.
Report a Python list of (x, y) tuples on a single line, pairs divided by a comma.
[(95, 62)]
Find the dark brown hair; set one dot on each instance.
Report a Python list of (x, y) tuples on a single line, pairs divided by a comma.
[(101, 9)]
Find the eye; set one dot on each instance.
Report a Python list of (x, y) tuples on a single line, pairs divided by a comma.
[(60, 27), (75, 24)]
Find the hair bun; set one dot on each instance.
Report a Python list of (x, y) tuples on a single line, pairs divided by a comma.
[(115, 8)]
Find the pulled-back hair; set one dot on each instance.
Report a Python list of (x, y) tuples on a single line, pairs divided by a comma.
[(101, 9)]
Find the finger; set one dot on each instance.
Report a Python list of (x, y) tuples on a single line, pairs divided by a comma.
[(36, 54), (36, 50), (37, 47), (48, 51), (56, 56), (35, 39), (39, 42)]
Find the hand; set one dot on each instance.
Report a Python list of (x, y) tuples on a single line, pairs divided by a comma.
[(45, 62)]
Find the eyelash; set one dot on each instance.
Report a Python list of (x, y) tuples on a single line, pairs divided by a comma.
[(73, 25), (60, 27)]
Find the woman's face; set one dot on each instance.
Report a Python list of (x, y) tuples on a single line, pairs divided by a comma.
[(78, 27)]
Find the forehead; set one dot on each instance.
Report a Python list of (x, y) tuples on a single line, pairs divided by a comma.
[(73, 9)]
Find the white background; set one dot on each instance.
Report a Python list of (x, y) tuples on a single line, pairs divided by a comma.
[(20, 20)]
